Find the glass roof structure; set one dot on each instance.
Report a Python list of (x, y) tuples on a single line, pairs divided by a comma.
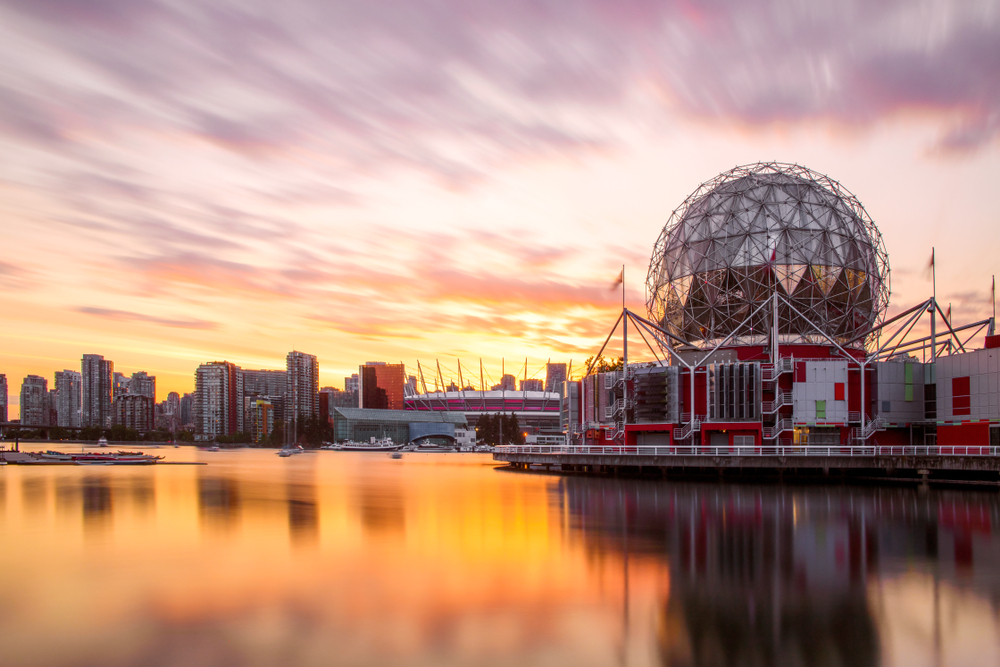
[(761, 228)]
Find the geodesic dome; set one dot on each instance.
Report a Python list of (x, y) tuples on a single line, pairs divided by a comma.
[(761, 228)]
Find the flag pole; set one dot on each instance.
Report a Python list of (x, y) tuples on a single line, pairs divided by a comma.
[(933, 308), (624, 355), (993, 295)]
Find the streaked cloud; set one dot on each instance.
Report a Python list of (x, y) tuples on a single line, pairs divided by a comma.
[(364, 174), (126, 316)]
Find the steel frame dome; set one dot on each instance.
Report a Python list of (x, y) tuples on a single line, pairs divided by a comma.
[(760, 228)]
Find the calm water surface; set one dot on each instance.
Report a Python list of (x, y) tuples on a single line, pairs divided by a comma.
[(335, 558)]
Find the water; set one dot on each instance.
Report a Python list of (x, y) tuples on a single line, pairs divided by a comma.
[(335, 558)]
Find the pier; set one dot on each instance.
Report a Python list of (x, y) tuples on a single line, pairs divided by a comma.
[(945, 464)]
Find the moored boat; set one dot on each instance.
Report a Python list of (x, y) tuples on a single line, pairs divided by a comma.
[(381, 445)]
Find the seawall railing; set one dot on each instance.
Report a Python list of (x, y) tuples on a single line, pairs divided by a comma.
[(792, 450)]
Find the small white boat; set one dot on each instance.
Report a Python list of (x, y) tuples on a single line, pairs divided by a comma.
[(102, 442), (289, 450)]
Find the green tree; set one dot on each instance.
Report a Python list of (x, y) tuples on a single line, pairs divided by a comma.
[(512, 433), (277, 435), (604, 365), (314, 431), (90, 433)]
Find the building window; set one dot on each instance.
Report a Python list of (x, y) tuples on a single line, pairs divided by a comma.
[(838, 391), (886, 405), (820, 409)]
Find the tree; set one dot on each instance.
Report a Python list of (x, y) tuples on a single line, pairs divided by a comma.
[(512, 434), (277, 435), (604, 365), (90, 433), (315, 431)]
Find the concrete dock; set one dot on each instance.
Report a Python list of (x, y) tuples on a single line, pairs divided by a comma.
[(932, 464)]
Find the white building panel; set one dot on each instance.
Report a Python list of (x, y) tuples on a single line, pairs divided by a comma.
[(820, 385), (982, 367), (892, 404)]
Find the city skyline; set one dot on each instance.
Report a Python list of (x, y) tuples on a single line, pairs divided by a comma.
[(416, 182)]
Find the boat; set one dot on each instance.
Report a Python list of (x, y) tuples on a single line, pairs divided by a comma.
[(97, 458), (373, 445), (396, 455), (102, 442), (289, 450)]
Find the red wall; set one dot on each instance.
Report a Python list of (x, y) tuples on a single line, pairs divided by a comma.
[(964, 435)]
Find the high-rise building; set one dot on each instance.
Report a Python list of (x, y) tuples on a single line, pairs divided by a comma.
[(302, 387), (187, 410), (265, 383), (51, 416), (68, 400), (507, 383), (351, 383), (218, 404), (331, 398), (3, 397), (261, 417), (34, 399), (172, 412), (378, 377), (555, 375), (135, 411), (143, 384), (119, 385), (531, 384), (96, 391)]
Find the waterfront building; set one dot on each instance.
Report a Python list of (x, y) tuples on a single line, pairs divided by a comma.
[(34, 401), (301, 388), (531, 384), (361, 425), (3, 397), (96, 390), (260, 418), (68, 399), (381, 385), (769, 287), (218, 405), (352, 383), (269, 383), (135, 411)]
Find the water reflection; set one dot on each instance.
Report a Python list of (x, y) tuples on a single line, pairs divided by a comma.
[(441, 559), (768, 575), (381, 510), (96, 495), (303, 514), (219, 502)]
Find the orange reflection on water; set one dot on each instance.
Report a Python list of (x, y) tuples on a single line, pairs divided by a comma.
[(349, 558)]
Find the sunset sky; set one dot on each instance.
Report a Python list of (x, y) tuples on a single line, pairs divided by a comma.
[(187, 181)]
